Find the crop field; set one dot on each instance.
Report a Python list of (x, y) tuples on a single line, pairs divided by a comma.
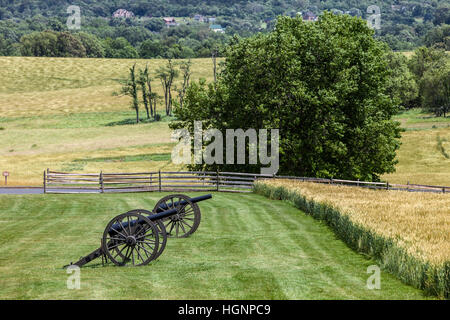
[(247, 247)]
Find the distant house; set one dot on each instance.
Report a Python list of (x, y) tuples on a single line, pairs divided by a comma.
[(170, 22), (211, 19), (309, 16), (217, 28), (200, 18), (122, 13)]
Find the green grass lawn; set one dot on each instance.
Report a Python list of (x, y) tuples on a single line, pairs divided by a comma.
[(247, 247)]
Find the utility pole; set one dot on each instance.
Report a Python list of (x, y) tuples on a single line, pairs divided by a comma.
[(214, 58)]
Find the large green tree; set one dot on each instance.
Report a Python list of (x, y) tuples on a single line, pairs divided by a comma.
[(323, 85), (430, 67), (436, 89), (402, 85)]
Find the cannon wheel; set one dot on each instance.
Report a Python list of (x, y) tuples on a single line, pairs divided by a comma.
[(136, 244), (187, 219), (161, 230)]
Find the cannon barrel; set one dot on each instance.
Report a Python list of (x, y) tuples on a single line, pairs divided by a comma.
[(161, 213), (163, 207)]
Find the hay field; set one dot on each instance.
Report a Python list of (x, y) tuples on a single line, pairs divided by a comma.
[(417, 222), (61, 113), (32, 86), (424, 156)]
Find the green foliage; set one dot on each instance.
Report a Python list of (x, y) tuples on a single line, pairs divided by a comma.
[(324, 85), (438, 37), (40, 44), (402, 28), (402, 85), (93, 46), (119, 48), (435, 87), (61, 44), (70, 45), (431, 68), (423, 59), (434, 280)]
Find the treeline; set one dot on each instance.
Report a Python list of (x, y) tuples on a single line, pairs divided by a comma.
[(421, 81), (124, 40), (405, 25)]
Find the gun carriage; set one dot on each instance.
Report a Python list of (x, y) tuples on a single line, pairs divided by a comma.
[(138, 237)]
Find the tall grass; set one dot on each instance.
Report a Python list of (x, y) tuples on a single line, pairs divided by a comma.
[(394, 253)]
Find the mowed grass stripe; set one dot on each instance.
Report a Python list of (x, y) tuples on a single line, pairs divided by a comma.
[(247, 247), (303, 236)]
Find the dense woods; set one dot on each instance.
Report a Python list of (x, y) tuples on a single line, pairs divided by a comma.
[(39, 27)]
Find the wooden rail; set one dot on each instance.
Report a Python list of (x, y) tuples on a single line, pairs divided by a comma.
[(59, 182)]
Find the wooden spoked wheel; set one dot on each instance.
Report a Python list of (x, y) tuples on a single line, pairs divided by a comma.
[(131, 239), (161, 230), (187, 219)]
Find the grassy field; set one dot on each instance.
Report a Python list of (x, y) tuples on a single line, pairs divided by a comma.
[(56, 111), (247, 247), (424, 154), (60, 113)]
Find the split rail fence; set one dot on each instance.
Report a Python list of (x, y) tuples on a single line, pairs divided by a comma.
[(61, 182)]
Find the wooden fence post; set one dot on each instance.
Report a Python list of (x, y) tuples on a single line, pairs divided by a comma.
[(102, 189), (151, 180), (159, 180), (217, 180), (45, 182), (443, 190), (387, 185)]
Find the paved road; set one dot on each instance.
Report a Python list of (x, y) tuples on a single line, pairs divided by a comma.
[(21, 190), (41, 191), (26, 190)]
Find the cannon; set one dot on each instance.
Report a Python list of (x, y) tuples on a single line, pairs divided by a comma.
[(138, 237)]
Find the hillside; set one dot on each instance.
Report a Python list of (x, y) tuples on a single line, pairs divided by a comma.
[(404, 25), (61, 113)]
